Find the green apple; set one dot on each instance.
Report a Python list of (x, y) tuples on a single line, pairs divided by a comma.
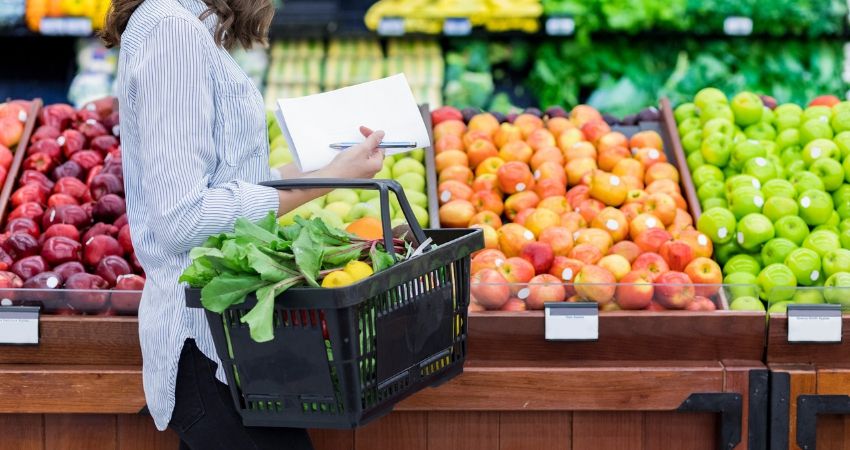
[(787, 139), (736, 182), (808, 296), (760, 131), (780, 307), (709, 95), (822, 241), (306, 211), (817, 112), (716, 149), (341, 209), (840, 121), (805, 263), (844, 237), (761, 169), (389, 162), (776, 208), (753, 231), (694, 161), (767, 114), (842, 194), (841, 107), (729, 172), (412, 181), (398, 221), (710, 203), (792, 228), (836, 289), (375, 203), (777, 283), (776, 250), (706, 173), (836, 260), (745, 150), (787, 122), (421, 215), (685, 111), (716, 111), (416, 198), (692, 141), (846, 167), (384, 174), (820, 148), (746, 303), (815, 206), (829, 171), (747, 108), (407, 165), (806, 181), (742, 284), (778, 188), (792, 109), (742, 263), (745, 200), (724, 252), (795, 166), (331, 218), (718, 125), (690, 125), (833, 222), (418, 154), (343, 195), (814, 129), (711, 189), (844, 224), (368, 194), (842, 140), (718, 224), (360, 210)]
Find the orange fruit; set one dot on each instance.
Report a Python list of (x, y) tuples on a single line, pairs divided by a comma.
[(366, 228)]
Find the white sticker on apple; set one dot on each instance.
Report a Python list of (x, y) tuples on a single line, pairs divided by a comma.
[(816, 152), (60, 140), (815, 275), (537, 174), (528, 235), (758, 201), (520, 187), (651, 222), (115, 130), (567, 274), (576, 235), (805, 202), (756, 184), (824, 119), (653, 154), (91, 122), (612, 224), (22, 116), (740, 237), (702, 240), (53, 216), (498, 262), (523, 293), (752, 141), (91, 107), (52, 282), (761, 162), (6, 302), (615, 180), (445, 196), (722, 232)]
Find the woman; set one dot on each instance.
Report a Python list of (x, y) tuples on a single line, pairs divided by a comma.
[(195, 146)]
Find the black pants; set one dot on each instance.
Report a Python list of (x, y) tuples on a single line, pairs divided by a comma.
[(205, 417)]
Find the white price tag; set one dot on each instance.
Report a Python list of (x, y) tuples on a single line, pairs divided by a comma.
[(391, 26), (457, 26), (560, 26), (19, 325), (814, 323), (66, 26), (738, 26), (572, 321)]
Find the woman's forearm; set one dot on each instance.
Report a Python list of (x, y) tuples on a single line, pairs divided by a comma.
[(293, 198)]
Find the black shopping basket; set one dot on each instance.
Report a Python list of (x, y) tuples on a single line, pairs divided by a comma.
[(345, 356)]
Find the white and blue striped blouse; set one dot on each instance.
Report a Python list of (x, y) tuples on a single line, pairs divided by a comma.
[(194, 145)]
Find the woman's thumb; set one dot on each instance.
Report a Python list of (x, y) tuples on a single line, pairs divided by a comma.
[(374, 139)]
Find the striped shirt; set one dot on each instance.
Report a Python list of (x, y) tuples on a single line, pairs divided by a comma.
[(194, 144)]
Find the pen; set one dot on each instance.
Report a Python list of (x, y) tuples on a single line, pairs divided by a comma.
[(383, 144)]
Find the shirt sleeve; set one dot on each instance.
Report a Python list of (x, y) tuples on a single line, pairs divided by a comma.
[(174, 103)]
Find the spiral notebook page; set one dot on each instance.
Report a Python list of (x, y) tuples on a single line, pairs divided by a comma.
[(312, 123)]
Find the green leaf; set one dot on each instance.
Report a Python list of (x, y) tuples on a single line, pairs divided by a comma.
[(244, 228), (234, 257), (199, 273), (290, 232), (268, 268), (229, 289), (269, 223), (380, 259), (260, 319), (340, 256), (308, 256)]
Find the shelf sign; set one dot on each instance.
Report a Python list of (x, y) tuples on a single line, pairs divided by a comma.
[(738, 26), (457, 26), (572, 321), (19, 325), (560, 26), (814, 324), (65, 26), (391, 26)]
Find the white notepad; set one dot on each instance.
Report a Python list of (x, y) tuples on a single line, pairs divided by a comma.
[(310, 124)]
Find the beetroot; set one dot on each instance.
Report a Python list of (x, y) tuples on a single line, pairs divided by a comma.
[(71, 142), (61, 199), (99, 247), (9, 280), (111, 267), (45, 132), (91, 129), (73, 187), (127, 302), (108, 208), (23, 225), (46, 146), (60, 249), (31, 209), (70, 214), (105, 183), (100, 228), (58, 115), (104, 144), (121, 221), (67, 269), (41, 162), (29, 266), (69, 169), (125, 240), (87, 159), (21, 245), (83, 300), (32, 176), (44, 280)]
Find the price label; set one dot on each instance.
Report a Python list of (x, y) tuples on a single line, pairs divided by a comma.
[(572, 321), (560, 26), (738, 26), (459, 26), (66, 26), (814, 323), (391, 26), (19, 325)]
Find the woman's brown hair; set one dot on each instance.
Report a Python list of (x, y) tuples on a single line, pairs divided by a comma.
[(239, 21)]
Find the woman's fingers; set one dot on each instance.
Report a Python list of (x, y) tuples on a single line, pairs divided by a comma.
[(365, 131)]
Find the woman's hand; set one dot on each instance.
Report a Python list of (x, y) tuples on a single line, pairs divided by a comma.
[(363, 160)]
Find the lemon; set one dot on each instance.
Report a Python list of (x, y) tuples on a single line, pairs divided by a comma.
[(337, 278), (358, 270)]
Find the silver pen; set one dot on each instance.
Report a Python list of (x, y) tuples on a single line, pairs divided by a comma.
[(383, 144)]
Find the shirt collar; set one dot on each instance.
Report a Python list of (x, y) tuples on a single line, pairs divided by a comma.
[(197, 7)]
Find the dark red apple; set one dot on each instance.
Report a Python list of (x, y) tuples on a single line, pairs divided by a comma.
[(29, 266), (32, 176), (41, 162), (100, 228), (61, 199), (104, 144), (21, 245), (32, 192), (105, 183), (111, 267), (87, 159), (98, 247), (71, 186), (68, 169), (62, 229), (121, 221), (71, 142), (85, 295), (46, 146), (69, 268), (125, 240), (60, 249), (108, 208), (70, 214), (31, 209), (23, 225), (45, 132)]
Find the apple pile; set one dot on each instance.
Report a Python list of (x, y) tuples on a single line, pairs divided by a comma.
[(570, 210), (66, 226), (774, 185)]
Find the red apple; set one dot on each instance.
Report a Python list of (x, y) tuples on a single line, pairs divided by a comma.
[(490, 289), (653, 262), (539, 254), (636, 290), (678, 254), (707, 274), (541, 289), (595, 284), (674, 290)]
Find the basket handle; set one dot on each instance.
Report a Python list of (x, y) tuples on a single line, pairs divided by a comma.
[(381, 185)]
